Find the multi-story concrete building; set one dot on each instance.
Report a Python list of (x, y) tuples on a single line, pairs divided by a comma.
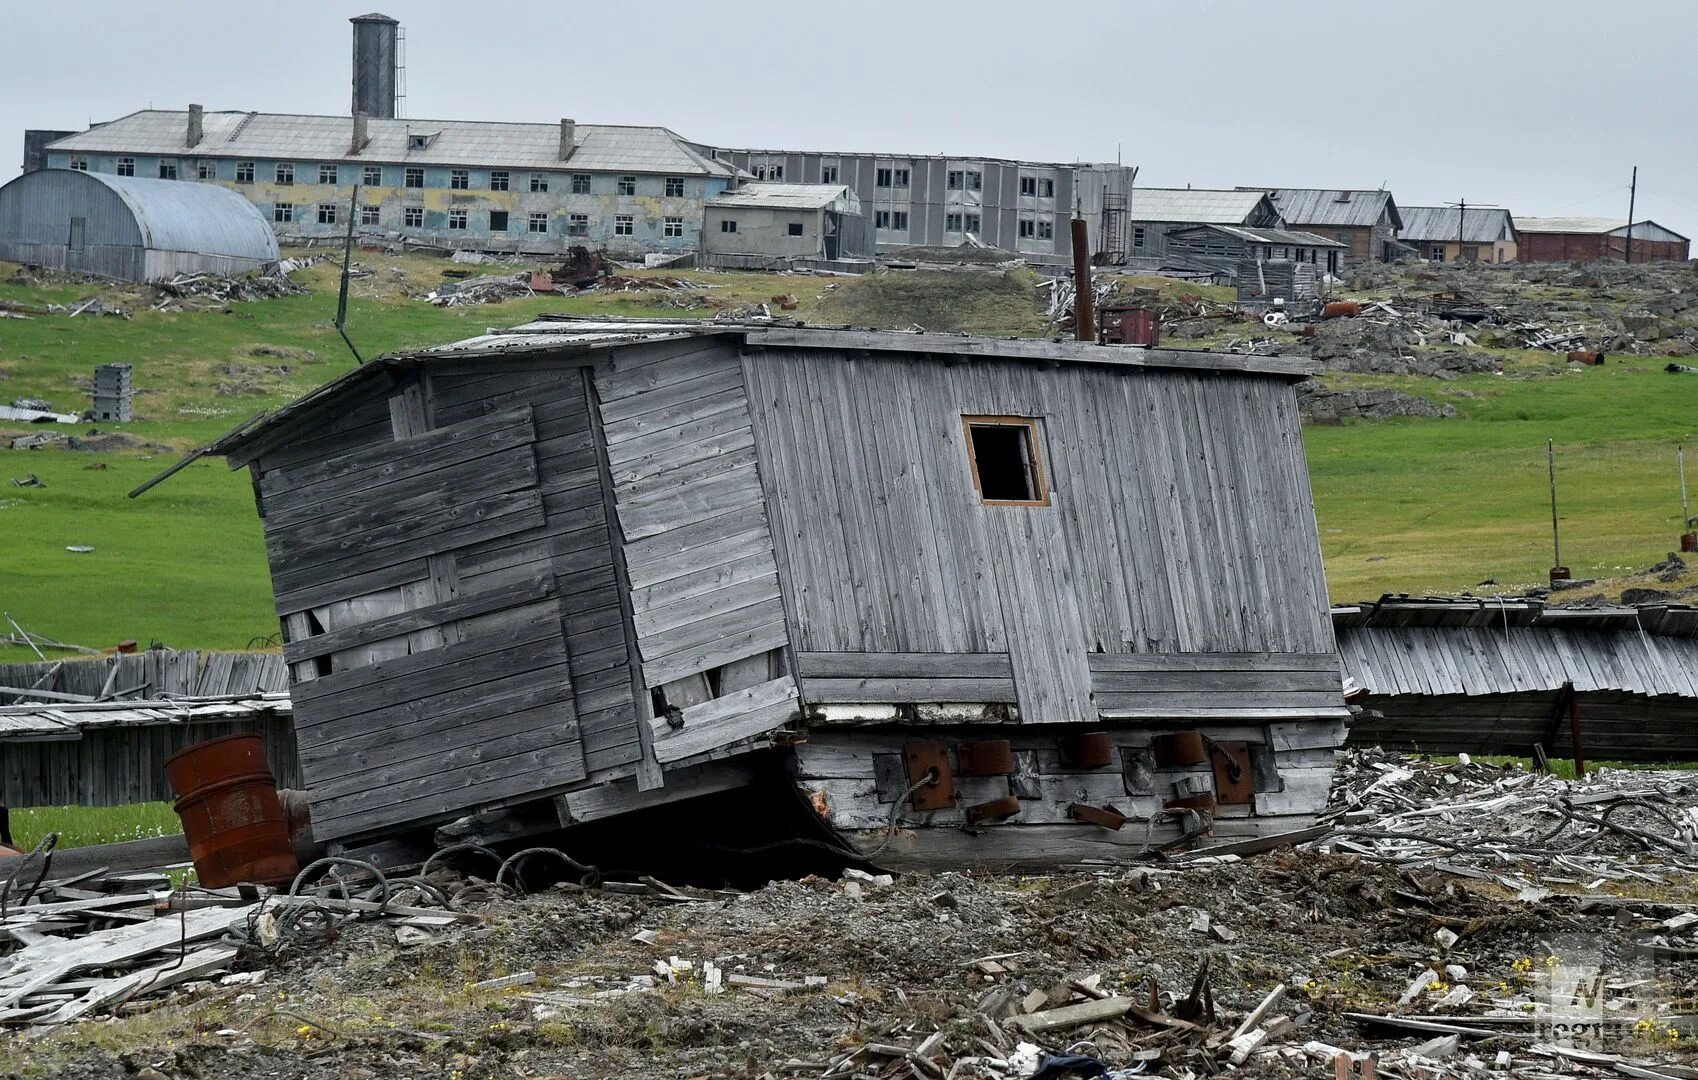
[(939, 201), (429, 183)]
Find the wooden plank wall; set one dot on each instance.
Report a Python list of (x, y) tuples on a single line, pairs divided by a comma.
[(697, 549), (1131, 686), (122, 765), (573, 543), (422, 687), (1180, 520)]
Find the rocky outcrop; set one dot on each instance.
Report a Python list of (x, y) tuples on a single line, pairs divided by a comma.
[(1319, 405)]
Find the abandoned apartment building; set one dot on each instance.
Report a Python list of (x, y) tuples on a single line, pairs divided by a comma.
[(941, 201), (1007, 596)]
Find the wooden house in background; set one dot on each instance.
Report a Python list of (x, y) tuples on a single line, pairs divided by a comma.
[(991, 590)]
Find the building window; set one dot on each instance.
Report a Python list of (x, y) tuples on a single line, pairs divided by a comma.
[(580, 183), (795, 228), (281, 212), (901, 177), (1007, 465), (975, 180), (627, 185), (497, 221), (769, 172), (672, 226), (1028, 228), (414, 178), (126, 166), (372, 176), (539, 181), (956, 180), (828, 174), (1046, 229), (284, 173), (1028, 185), (206, 170), (327, 213), (1436, 254), (881, 219), (457, 219), (1470, 253), (244, 172), (538, 223), (79, 164), (413, 217), (624, 225), (727, 225), (419, 142), (167, 169), (577, 224), (371, 215), (881, 177), (460, 179), (972, 223), (1137, 236), (1046, 188), (327, 174), (899, 220), (675, 187), (498, 180), (952, 223)]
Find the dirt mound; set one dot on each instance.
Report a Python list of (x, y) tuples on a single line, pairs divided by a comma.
[(999, 303)]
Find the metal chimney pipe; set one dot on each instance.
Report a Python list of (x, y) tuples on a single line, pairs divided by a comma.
[(1084, 307)]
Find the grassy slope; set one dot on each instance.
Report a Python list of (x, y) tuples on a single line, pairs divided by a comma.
[(1407, 505)]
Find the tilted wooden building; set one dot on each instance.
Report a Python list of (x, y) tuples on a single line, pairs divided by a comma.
[(990, 586)]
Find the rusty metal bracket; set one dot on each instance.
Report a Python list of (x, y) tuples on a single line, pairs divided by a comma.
[(1086, 750), (1235, 780), (930, 775), (994, 810), (986, 757), (1179, 748), (1109, 819)]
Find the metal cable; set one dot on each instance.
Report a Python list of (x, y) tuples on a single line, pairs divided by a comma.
[(932, 777), (591, 876)]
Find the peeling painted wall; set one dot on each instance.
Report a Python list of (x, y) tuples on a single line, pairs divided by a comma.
[(603, 208)]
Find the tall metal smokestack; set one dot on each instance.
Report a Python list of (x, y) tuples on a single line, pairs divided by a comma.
[(377, 59)]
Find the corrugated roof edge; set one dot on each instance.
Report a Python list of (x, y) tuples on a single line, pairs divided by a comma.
[(1662, 619), (566, 335)]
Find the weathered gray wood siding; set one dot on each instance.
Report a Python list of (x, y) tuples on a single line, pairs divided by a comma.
[(696, 546), (424, 683), (121, 765), (1180, 521)]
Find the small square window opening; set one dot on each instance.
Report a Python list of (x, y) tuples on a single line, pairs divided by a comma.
[(627, 185), (413, 217), (674, 187), (795, 228), (372, 176), (1007, 464)]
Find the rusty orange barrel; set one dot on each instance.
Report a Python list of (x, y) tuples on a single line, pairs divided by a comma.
[(1341, 309), (227, 799)]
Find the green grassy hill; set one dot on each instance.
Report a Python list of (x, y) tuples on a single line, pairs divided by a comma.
[(1404, 505)]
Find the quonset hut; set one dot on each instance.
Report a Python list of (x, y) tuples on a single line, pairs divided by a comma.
[(1006, 597), (128, 228)]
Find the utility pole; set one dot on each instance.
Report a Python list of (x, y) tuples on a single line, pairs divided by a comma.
[(1559, 572), (1461, 225), (1632, 194)]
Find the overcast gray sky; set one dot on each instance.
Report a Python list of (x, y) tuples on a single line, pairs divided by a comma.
[(1539, 105)]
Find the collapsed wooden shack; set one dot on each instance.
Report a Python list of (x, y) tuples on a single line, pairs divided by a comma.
[(988, 600)]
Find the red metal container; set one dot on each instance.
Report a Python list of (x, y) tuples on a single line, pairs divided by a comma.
[(1131, 326), (1341, 309), (1689, 541), (227, 799)]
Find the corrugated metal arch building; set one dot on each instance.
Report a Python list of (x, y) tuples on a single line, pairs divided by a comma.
[(129, 228)]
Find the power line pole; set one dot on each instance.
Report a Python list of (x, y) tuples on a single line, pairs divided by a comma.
[(1632, 194), (1461, 226)]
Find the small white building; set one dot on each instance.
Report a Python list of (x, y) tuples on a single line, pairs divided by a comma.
[(766, 226)]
